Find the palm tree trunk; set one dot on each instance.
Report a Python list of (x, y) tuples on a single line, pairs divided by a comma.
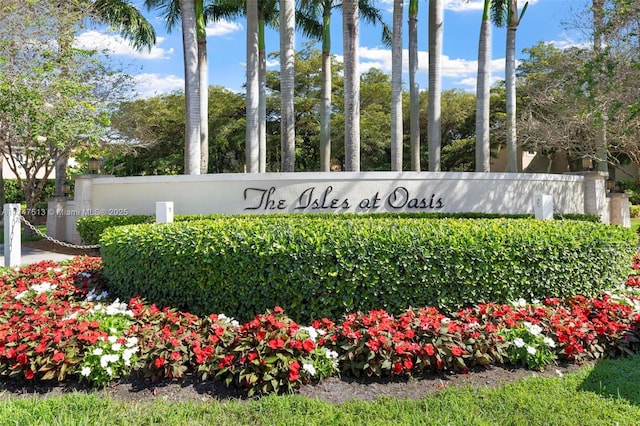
[(192, 89), (252, 97), (325, 106), (350, 37), (262, 102), (203, 78), (287, 84), (510, 83), (414, 88), (483, 94), (396, 87), (436, 25)]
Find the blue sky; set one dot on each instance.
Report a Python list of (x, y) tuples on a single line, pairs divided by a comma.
[(161, 69)]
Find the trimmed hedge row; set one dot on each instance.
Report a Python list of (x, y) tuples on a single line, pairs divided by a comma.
[(316, 268), (90, 228)]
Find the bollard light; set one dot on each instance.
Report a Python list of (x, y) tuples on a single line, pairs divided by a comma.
[(94, 165), (587, 163), (66, 188)]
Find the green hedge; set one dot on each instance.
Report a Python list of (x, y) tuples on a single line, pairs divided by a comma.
[(90, 228), (315, 268)]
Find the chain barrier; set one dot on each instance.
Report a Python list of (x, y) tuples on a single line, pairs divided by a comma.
[(53, 240)]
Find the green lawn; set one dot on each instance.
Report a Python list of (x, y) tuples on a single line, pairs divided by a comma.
[(607, 394)]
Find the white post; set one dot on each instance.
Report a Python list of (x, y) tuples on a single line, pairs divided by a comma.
[(12, 249), (543, 207), (164, 212)]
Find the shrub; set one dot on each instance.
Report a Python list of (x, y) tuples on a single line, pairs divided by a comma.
[(90, 228), (325, 268)]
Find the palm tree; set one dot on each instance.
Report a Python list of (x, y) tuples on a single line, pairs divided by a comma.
[(396, 87), (252, 97), (196, 79), (435, 83), (287, 84), (483, 93), (320, 29), (350, 37), (414, 88), (506, 12)]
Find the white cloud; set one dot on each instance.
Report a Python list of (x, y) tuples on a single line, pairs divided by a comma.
[(149, 85), (222, 28), (568, 43), (468, 5), (115, 44)]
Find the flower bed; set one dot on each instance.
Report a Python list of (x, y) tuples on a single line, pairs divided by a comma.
[(56, 323)]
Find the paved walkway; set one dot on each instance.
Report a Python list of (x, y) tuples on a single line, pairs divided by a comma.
[(31, 255)]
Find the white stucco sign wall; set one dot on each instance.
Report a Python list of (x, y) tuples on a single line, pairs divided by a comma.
[(370, 192)]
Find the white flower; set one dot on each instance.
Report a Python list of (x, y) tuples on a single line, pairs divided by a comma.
[(313, 333), (531, 350), (535, 329), (85, 371), (127, 354), (519, 303), (109, 371), (131, 342), (518, 342), (98, 351), (549, 342), (331, 354), (112, 339), (21, 295), (116, 347), (43, 287), (309, 368)]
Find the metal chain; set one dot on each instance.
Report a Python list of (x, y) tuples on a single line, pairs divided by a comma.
[(53, 240)]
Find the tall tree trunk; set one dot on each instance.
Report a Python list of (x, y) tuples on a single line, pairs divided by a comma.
[(203, 84), (252, 97), (436, 27), (483, 94), (414, 88), (510, 83), (325, 105), (396, 87), (350, 37), (287, 84), (192, 89), (602, 157), (262, 102)]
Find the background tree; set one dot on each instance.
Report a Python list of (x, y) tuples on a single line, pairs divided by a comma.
[(45, 114)]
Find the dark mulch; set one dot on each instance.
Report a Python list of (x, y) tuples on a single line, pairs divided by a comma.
[(334, 390)]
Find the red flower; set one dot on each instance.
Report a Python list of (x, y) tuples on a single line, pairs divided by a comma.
[(373, 345), (22, 359), (175, 356), (397, 367), (429, 349), (456, 351), (294, 371), (159, 362), (252, 356), (276, 344), (308, 345), (278, 309), (58, 356), (29, 374)]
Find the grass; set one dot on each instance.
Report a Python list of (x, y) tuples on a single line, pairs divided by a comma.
[(604, 394), (24, 236)]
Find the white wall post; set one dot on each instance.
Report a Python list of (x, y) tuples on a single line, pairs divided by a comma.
[(164, 212), (543, 207), (12, 244)]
